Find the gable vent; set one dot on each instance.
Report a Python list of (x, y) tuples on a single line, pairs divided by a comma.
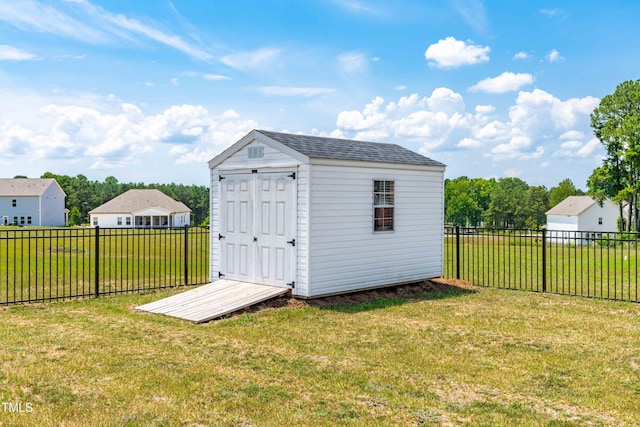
[(256, 152)]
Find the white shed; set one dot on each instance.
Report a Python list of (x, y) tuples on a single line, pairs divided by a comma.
[(324, 216)]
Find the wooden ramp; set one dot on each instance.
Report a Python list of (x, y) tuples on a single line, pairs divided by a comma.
[(213, 300)]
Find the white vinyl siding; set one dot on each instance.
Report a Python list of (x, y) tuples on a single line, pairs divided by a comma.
[(345, 252)]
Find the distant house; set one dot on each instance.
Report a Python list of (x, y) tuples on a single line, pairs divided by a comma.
[(580, 218), (141, 209), (25, 201)]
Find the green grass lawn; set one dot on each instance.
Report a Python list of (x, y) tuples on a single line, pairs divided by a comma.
[(514, 261), (454, 357), (38, 263)]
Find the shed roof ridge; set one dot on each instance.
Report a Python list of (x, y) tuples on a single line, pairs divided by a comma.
[(348, 149)]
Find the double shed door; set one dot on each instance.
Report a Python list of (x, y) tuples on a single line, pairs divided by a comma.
[(258, 224)]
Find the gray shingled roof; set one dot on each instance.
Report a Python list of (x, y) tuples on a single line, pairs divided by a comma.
[(137, 200), (25, 186), (572, 205), (346, 149)]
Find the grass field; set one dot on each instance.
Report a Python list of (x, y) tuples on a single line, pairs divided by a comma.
[(608, 269), (458, 356), (44, 263)]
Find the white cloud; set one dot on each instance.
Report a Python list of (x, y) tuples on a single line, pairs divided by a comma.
[(295, 91), (468, 143), (136, 27), (505, 82), (550, 12), (521, 55), (554, 56), (533, 126), (473, 12), (358, 7), (572, 134), (43, 18), (252, 59), (353, 62), (87, 23), (512, 172), (10, 53), (215, 77), (187, 133), (429, 121), (451, 53)]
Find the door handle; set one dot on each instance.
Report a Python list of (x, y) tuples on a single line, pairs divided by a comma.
[(292, 242), (255, 239)]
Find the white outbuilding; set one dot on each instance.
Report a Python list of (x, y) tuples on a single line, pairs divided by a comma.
[(324, 216), (580, 219)]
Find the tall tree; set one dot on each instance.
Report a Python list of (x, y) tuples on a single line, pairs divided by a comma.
[(508, 204), (616, 123), (563, 190)]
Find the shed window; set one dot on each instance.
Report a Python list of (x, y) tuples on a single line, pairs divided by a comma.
[(383, 195), (256, 152)]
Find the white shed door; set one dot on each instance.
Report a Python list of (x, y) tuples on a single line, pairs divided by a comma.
[(258, 224)]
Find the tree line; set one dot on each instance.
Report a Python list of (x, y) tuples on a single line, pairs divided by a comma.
[(502, 203), (84, 195)]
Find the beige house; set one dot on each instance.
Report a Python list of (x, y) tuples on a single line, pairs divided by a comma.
[(141, 209)]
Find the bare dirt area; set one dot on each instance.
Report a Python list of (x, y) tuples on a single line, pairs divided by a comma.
[(406, 291)]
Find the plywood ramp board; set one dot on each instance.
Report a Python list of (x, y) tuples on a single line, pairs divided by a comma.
[(213, 300)]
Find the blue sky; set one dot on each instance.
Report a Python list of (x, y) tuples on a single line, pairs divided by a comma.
[(149, 91)]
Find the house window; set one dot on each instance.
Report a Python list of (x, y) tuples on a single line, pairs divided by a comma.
[(14, 203), (128, 220), (119, 220), (28, 220), (15, 220), (95, 221), (383, 194), (600, 220), (21, 220)]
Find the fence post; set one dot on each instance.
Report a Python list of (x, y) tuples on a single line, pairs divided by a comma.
[(97, 262), (458, 252), (186, 254), (544, 260)]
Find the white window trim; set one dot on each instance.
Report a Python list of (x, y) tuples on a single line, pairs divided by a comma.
[(392, 206)]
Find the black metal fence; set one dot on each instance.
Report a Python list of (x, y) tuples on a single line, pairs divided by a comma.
[(41, 264), (591, 264)]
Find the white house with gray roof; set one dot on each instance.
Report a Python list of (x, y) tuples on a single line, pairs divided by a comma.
[(324, 216), (579, 219), (141, 208), (29, 201)]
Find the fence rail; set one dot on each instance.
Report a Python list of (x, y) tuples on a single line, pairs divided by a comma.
[(43, 264), (591, 264)]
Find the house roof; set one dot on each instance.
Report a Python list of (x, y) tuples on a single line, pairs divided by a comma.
[(137, 200), (26, 186), (572, 206), (346, 149)]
